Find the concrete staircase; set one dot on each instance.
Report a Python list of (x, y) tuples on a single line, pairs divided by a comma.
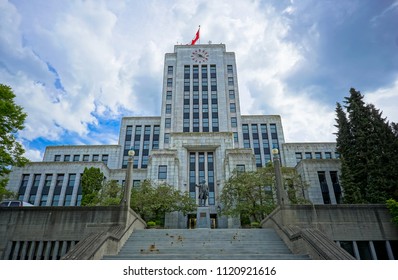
[(204, 244)]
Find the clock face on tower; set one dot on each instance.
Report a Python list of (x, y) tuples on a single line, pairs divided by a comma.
[(200, 56)]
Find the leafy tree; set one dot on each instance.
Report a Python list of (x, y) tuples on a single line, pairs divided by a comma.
[(12, 120), (368, 146), (92, 180), (392, 205), (4, 193), (110, 194), (251, 195), (153, 201)]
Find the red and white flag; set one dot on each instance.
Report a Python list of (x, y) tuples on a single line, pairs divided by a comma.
[(196, 37)]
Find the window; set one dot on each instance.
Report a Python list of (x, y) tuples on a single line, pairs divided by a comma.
[(95, 157), (68, 200), (328, 155), (86, 157), (299, 157), (57, 158), (162, 172), (318, 155), (336, 186), (236, 139), (76, 157), (230, 81), (233, 122), (170, 70), (22, 187), (229, 69), (71, 181), (60, 180), (167, 138), (308, 155), (136, 183), (43, 200), (105, 159), (232, 108), (324, 187), (55, 201), (169, 82), (66, 157), (48, 179), (167, 123), (168, 108), (231, 94), (240, 168), (168, 95)]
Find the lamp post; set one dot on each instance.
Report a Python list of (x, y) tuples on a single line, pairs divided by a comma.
[(128, 184), (278, 177)]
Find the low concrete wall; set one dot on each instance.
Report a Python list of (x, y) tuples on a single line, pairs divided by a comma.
[(61, 223), (340, 222), (312, 229)]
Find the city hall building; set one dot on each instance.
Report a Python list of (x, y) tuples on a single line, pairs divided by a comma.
[(200, 135)]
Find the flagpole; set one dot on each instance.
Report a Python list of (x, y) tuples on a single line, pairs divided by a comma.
[(199, 36)]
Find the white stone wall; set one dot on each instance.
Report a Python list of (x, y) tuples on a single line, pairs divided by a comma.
[(113, 152), (308, 169), (289, 151), (54, 168)]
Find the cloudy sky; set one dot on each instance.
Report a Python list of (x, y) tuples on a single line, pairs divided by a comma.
[(78, 66)]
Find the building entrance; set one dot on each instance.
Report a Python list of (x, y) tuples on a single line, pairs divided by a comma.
[(192, 221)]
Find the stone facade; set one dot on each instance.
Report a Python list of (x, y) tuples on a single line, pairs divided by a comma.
[(200, 135)]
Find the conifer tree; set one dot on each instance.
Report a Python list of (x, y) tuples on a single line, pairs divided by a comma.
[(368, 146)]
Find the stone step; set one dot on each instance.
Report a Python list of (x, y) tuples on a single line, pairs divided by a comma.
[(210, 257), (172, 244)]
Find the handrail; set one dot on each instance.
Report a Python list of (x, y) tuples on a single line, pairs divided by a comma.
[(94, 245), (317, 244)]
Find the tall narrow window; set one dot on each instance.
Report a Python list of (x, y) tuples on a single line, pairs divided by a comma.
[(232, 108), (162, 172), (169, 82), (324, 187), (336, 186), (167, 123), (299, 157), (23, 185)]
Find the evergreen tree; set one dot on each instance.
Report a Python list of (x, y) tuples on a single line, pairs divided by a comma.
[(352, 193), (368, 145)]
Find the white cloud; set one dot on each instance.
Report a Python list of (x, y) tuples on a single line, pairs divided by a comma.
[(386, 100), (108, 56)]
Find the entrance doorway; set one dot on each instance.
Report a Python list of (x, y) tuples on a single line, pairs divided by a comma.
[(192, 221)]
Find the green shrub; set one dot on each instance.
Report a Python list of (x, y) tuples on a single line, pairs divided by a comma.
[(151, 224), (255, 224)]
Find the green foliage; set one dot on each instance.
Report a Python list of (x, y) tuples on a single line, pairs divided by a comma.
[(368, 147), (392, 205), (151, 224), (111, 193), (152, 201), (12, 120), (92, 180), (251, 195), (255, 224), (98, 192), (4, 193)]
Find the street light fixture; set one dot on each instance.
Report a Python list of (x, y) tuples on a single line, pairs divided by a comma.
[(129, 175), (278, 177)]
